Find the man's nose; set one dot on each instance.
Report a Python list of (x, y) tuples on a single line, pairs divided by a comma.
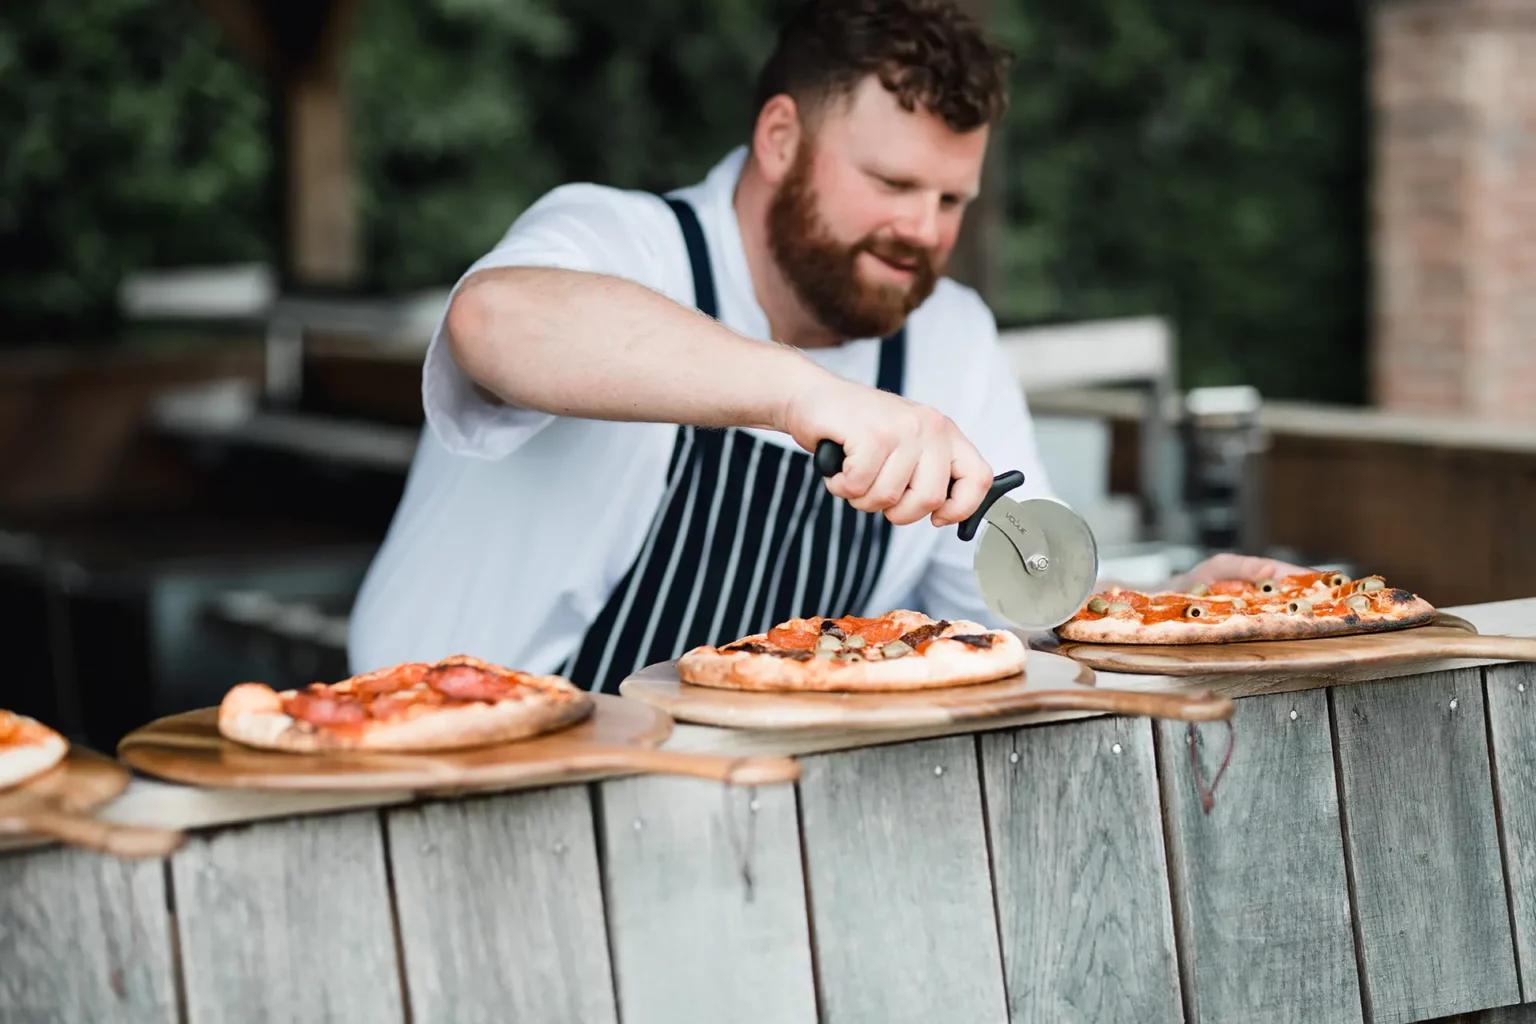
[(919, 224)]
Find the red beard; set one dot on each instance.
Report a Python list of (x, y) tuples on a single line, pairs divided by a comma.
[(824, 272)]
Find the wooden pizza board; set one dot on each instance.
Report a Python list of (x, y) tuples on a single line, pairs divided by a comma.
[(1342, 657), (620, 736), (57, 805), (1048, 683)]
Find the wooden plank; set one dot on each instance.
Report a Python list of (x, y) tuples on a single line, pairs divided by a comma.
[(1523, 1014), (691, 941), (896, 865), (84, 937), (1433, 924), (500, 907), (1082, 887), (1259, 884), (287, 921), (1511, 692)]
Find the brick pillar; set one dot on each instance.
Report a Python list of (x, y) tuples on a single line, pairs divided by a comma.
[(1454, 241)]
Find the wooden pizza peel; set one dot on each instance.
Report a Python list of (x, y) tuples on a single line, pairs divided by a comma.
[(1049, 682), (57, 805), (1333, 658), (620, 736)]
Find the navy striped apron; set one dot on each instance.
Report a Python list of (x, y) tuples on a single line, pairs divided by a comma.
[(746, 536)]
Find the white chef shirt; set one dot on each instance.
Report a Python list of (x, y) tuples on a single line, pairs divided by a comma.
[(516, 525)]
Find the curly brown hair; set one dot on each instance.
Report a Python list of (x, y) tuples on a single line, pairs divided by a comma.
[(924, 51)]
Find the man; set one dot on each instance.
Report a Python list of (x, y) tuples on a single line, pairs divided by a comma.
[(556, 518)]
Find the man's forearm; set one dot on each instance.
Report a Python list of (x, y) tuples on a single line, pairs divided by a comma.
[(599, 347)]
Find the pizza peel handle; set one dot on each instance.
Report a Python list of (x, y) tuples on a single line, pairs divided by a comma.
[(82, 830), (829, 462)]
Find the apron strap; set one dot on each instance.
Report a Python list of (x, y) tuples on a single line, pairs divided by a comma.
[(698, 257), (893, 363)]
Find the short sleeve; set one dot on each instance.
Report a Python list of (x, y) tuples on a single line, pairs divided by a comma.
[(1001, 428), (575, 227)]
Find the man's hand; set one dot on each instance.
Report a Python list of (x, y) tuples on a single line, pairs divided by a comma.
[(899, 456), (1227, 566)]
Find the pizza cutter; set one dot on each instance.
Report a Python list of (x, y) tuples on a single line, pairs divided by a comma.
[(1035, 564)]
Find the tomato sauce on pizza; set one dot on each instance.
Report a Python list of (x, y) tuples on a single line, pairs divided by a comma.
[(1291, 607)]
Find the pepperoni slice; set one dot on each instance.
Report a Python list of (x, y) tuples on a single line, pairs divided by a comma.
[(468, 682), (317, 706), (874, 631), (394, 704), (793, 639), (803, 637), (387, 680)]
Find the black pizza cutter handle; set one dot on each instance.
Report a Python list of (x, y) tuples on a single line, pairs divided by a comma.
[(829, 462)]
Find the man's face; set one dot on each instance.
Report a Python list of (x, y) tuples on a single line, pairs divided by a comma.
[(863, 222)]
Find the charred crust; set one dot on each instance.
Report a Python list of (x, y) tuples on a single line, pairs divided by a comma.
[(1400, 597), (980, 641)]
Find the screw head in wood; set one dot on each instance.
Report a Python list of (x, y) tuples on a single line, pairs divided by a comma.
[(1520, 687), (639, 824), (752, 806), (1115, 749), (1453, 704), (1013, 757), (1294, 716), (938, 769), (559, 849)]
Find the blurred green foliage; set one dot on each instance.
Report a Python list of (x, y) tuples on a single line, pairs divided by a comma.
[(1202, 160), (130, 138)]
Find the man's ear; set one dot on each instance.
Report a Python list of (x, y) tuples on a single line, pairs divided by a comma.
[(777, 137)]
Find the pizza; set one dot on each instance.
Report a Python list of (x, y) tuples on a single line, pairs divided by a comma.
[(27, 748), (900, 650), (457, 702), (1289, 608)]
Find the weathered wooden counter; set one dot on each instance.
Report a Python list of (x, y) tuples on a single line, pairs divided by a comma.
[(1371, 857)]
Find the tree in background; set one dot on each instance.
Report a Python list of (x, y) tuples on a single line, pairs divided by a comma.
[(1204, 161)]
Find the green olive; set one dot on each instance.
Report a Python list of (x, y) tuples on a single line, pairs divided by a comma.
[(1372, 584), (1267, 586), (1097, 604), (1239, 603), (854, 642), (1359, 602), (1300, 606), (1338, 579), (1116, 606), (1200, 590), (1194, 611), (828, 642), (846, 656), (896, 649)]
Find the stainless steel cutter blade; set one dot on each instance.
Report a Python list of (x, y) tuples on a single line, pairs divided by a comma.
[(1036, 562)]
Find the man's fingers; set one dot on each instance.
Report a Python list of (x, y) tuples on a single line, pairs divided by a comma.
[(890, 483), (973, 478), (862, 464), (925, 492)]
